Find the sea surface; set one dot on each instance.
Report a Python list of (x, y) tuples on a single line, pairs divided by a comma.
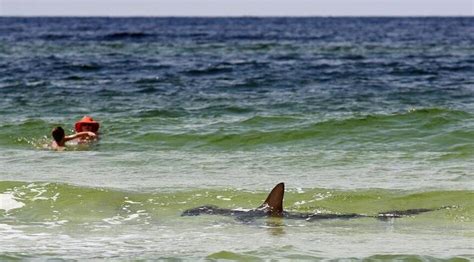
[(355, 115)]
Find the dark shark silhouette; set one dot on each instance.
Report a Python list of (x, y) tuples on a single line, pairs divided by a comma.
[(273, 207)]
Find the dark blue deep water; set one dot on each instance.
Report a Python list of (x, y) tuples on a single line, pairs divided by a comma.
[(245, 66), (354, 114)]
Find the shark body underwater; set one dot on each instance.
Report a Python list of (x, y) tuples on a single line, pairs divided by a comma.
[(273, 207)]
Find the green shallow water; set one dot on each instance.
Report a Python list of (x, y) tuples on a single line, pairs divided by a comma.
[(257, 256), (300, 256), (52, 201), (60, 220), (440, 130)]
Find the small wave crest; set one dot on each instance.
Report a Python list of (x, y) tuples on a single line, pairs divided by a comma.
[(77, 204), (427, 129), (211, 70), (8, 202), (127, 35)]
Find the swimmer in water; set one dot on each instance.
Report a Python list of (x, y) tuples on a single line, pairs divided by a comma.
[(87, 124), (60, 138)]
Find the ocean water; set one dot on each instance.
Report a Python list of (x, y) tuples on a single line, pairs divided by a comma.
[(356, 115)]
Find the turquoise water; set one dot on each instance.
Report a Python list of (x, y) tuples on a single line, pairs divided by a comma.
[(355, 115)]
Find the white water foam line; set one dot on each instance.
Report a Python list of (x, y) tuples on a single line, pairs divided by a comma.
[(8, 202)]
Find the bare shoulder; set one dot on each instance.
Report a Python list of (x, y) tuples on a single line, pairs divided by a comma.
[(57, 147)]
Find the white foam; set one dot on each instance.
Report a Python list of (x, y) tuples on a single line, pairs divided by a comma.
[(241, 209), (223, 198), (8, 202)]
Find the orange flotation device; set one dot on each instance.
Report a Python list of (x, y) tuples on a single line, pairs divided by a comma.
[(87, 120)]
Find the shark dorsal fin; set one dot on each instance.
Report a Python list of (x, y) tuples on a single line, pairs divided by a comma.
[(274, 202)]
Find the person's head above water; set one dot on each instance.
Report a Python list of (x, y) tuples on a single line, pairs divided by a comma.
[(58, 134), (60, 137), (87, 124)]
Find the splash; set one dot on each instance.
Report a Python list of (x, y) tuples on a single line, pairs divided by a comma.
[(8, 202)]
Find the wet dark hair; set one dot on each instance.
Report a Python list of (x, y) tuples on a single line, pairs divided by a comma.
[(58, 134)]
